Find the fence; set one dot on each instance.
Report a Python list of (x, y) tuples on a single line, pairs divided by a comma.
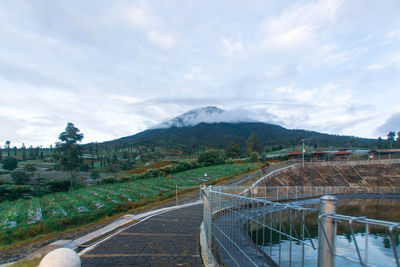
[(241, 230)]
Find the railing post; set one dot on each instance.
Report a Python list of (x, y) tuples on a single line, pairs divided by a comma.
[(207, 214), (326, 232)]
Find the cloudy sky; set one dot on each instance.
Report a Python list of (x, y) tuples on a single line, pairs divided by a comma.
[(115, 68)]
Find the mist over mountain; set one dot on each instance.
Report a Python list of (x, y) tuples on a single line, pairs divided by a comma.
[(208, 114), (211, 127)]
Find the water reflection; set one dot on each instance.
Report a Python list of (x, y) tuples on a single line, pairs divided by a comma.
[(380, 251)]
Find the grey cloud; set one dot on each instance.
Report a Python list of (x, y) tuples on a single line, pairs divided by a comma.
[(391, 124), (21, 74), (342, 126)]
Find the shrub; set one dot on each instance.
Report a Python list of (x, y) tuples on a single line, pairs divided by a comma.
[(30, 168), (57, 185), (229, 161), (124, 179), (183, 166), (94, 174), (152, 173), (108, 180), (210, 157), (20, 177), (12, 192), (84, 168), (254, 157), (10, 163)]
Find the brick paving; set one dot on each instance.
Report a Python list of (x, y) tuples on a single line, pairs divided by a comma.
[(167, 239)]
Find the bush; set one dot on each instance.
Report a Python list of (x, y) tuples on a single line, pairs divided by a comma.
[(254, 157), (152, 173), (12, 192), (124, 179), (182, 166), (109, 180), (84, 168), (30, 168), (229, 161), (10, 163), (20, 177), (95, 175), (210, 157), (57, 185)]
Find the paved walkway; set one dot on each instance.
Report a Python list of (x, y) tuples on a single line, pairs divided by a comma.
[(167, 239)]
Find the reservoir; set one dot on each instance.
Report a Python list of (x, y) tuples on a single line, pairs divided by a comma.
[(379, 252)]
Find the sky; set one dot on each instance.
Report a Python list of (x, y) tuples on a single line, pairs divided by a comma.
[(115, 68)]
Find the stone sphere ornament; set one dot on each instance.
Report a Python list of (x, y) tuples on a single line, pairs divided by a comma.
[(61, 257)]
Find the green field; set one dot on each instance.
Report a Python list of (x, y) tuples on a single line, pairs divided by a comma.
[(23, 219)]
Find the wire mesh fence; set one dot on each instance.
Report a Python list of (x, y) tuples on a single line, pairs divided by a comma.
[(250, 228)]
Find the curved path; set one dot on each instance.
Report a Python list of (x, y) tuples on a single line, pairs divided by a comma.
[(166, 239)]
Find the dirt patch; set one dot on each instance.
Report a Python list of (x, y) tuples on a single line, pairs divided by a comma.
[(155, 165)]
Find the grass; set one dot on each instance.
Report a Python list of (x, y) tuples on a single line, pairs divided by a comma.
[(66, 210), (27, 263)]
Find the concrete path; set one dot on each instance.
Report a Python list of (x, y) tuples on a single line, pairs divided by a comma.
[(167, 239)]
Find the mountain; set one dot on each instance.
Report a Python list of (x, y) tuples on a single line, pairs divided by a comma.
[(211, 127), (208, 114)]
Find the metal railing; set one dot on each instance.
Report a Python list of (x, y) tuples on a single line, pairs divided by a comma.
[(253, 230)]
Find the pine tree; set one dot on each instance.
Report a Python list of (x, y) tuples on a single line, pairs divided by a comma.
[(70, 159)]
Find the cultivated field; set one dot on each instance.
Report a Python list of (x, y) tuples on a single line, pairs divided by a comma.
[(23, 219)]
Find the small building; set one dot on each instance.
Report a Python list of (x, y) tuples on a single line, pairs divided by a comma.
[(294, 155), (384, 154), (319, 155), (342, 155)]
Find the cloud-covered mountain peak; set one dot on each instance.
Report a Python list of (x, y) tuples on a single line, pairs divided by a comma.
[(208, 114)]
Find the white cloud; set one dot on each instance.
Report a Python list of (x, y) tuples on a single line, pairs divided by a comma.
[(394, 34), (274, 72), (196, 73), (163, 40), (231, 47), (136, 15), (334, 54), (140, 16), (298, 26), (375, 67)]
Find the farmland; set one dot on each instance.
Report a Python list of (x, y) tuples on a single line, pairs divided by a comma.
[(26, 218)]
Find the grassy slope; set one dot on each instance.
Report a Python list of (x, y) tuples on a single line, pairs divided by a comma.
[(60, 210)]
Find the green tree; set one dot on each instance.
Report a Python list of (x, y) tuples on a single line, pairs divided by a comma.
[(210, 157), (7, 146), (10, 163), (233, 150), (390, 138), (253, 143), (380, 143), (254, 156), (23, 148), (70, 159), (20, 177)]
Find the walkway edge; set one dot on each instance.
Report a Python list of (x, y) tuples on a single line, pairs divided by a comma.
[(208, 258)]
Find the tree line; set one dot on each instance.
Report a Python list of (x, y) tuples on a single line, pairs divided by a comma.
[(391, 141)]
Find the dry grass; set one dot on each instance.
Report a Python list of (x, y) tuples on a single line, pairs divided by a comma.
[(26, 263), (155, 165)]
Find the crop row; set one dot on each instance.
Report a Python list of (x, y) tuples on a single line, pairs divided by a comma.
[(23, 213)]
